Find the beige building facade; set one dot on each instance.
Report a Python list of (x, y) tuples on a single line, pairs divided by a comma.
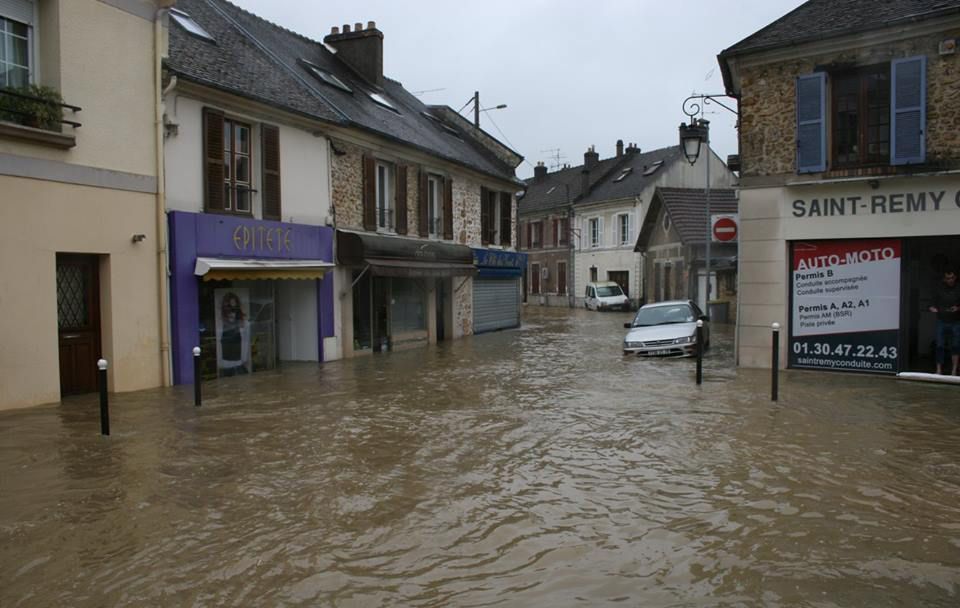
[(850, 190), (80, 249)]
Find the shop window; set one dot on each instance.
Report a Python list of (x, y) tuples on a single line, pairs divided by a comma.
[(408, 306), (362, 334), (877, 116), (238, 327)]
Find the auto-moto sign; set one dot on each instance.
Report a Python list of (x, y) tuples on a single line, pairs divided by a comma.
[(724, 228), (846, 305)]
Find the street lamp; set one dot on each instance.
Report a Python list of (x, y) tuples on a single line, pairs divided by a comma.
[(692, 137)]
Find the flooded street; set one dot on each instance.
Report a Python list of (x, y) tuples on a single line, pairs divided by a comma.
[(536, 467)]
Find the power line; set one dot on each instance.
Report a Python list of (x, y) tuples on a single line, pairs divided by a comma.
[(505, 138)]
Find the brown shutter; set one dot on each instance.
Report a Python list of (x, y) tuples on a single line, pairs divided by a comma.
[(401, 199), (556, 231), (540, 234), (422, 201), (270, 143), (369, 193), (529, 234), (448, 209), (484, 216), (213, 174), (506, 219)]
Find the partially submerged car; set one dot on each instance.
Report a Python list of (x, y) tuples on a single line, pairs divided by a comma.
[(664, 329), (605, 295)]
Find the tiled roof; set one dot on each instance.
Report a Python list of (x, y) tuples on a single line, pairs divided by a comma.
[(818, 19), (687, 210), (263, 61)]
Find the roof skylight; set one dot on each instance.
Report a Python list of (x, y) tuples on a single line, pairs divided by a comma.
[(441, 124), (623, 174), (551, 189), (653, 168), (325, 76), (186, 22), (383, 101)]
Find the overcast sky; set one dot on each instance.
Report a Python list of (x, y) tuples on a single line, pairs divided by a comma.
[(573, 73)]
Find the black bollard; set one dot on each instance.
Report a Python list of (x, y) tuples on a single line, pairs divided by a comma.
[(104, 407), (775, 367), (196, 376), (699, 352)]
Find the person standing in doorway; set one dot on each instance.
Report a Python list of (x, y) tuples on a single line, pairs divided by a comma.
[(946, 303)]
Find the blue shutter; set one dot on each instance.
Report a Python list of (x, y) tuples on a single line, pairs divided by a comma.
[(812, 123), (908, 110)]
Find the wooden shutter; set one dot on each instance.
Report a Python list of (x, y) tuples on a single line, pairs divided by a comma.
[(448, 209), (506, 219), (540, 234), (529, 234), (422, 201), (270, 142), (213, 172), (401, 199), (908, 110), (811, 123), (369, 193)]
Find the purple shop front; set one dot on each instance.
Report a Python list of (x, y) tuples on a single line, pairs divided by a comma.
[(260, 298)]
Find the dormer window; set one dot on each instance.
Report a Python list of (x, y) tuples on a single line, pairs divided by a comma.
[(325, 76), (383, 101)]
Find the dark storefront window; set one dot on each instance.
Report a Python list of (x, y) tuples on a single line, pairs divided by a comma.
[(361, 313), (408, 306)]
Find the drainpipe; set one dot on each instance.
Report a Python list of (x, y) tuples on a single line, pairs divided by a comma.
[(161, 202)]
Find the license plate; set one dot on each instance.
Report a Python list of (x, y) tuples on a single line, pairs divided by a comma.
[(660, 351)]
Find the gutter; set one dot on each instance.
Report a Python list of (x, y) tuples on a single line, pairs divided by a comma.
[(161, 199)]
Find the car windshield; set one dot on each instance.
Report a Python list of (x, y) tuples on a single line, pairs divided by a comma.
[(664, 315), (603, 292)]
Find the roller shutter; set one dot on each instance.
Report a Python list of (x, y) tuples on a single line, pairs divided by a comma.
[(496, 304)]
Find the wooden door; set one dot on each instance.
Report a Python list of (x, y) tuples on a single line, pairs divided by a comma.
[(621, 278), (78, 321)]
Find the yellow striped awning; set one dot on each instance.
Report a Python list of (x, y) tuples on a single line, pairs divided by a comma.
[(225, 269)]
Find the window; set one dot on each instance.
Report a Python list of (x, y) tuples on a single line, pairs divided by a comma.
[(383, 101), (623, 174), (623, 228), (861, 117), (385, 186), (496, 217), (561, 278), (16, 43), (876, 116), (535, 278), (563, 232), (595, 231), (666, 221), (653, 168), (236, 166), (435, 205), (536, 234), (186, 22)]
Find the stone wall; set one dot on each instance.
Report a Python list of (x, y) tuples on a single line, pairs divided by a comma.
[(347, 185), (768, 95)]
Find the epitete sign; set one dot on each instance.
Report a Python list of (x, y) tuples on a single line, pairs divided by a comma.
[(846, 305)]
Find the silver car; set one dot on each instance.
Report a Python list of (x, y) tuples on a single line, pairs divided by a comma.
[(666, 329)]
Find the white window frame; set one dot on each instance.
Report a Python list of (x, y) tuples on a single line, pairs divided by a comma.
[(623, 231), (595, 231), (32, 71), (435, 206), (386, 179)]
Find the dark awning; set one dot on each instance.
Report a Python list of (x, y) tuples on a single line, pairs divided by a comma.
[(395, 256)]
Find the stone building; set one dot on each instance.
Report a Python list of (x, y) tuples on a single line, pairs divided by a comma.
[(849, 193), (81, 237)]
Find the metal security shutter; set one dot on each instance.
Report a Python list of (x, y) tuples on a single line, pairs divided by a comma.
[(18, 10), (496, 304)]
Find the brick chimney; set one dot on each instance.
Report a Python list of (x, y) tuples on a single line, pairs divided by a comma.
[(632, 149), (361, 49), (590, 158), (539, 172), (619, 148)]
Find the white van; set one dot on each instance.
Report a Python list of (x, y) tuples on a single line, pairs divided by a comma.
[(605, 295)]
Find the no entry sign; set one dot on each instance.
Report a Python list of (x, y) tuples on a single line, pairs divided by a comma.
[(724, 228)]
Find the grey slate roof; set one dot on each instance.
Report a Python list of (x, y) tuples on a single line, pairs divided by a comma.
[(635, 181), (551, 193), (263, 61), (819, 19), (687, 210)]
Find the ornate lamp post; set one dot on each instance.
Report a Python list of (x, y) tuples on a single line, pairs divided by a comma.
[(693, 137)]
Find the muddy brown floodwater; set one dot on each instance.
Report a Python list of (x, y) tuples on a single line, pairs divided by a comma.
[(536, 467)]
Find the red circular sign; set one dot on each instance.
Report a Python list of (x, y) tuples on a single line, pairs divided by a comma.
[(725, 229)]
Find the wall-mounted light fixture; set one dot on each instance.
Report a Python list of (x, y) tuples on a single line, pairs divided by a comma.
[(137, 238)]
